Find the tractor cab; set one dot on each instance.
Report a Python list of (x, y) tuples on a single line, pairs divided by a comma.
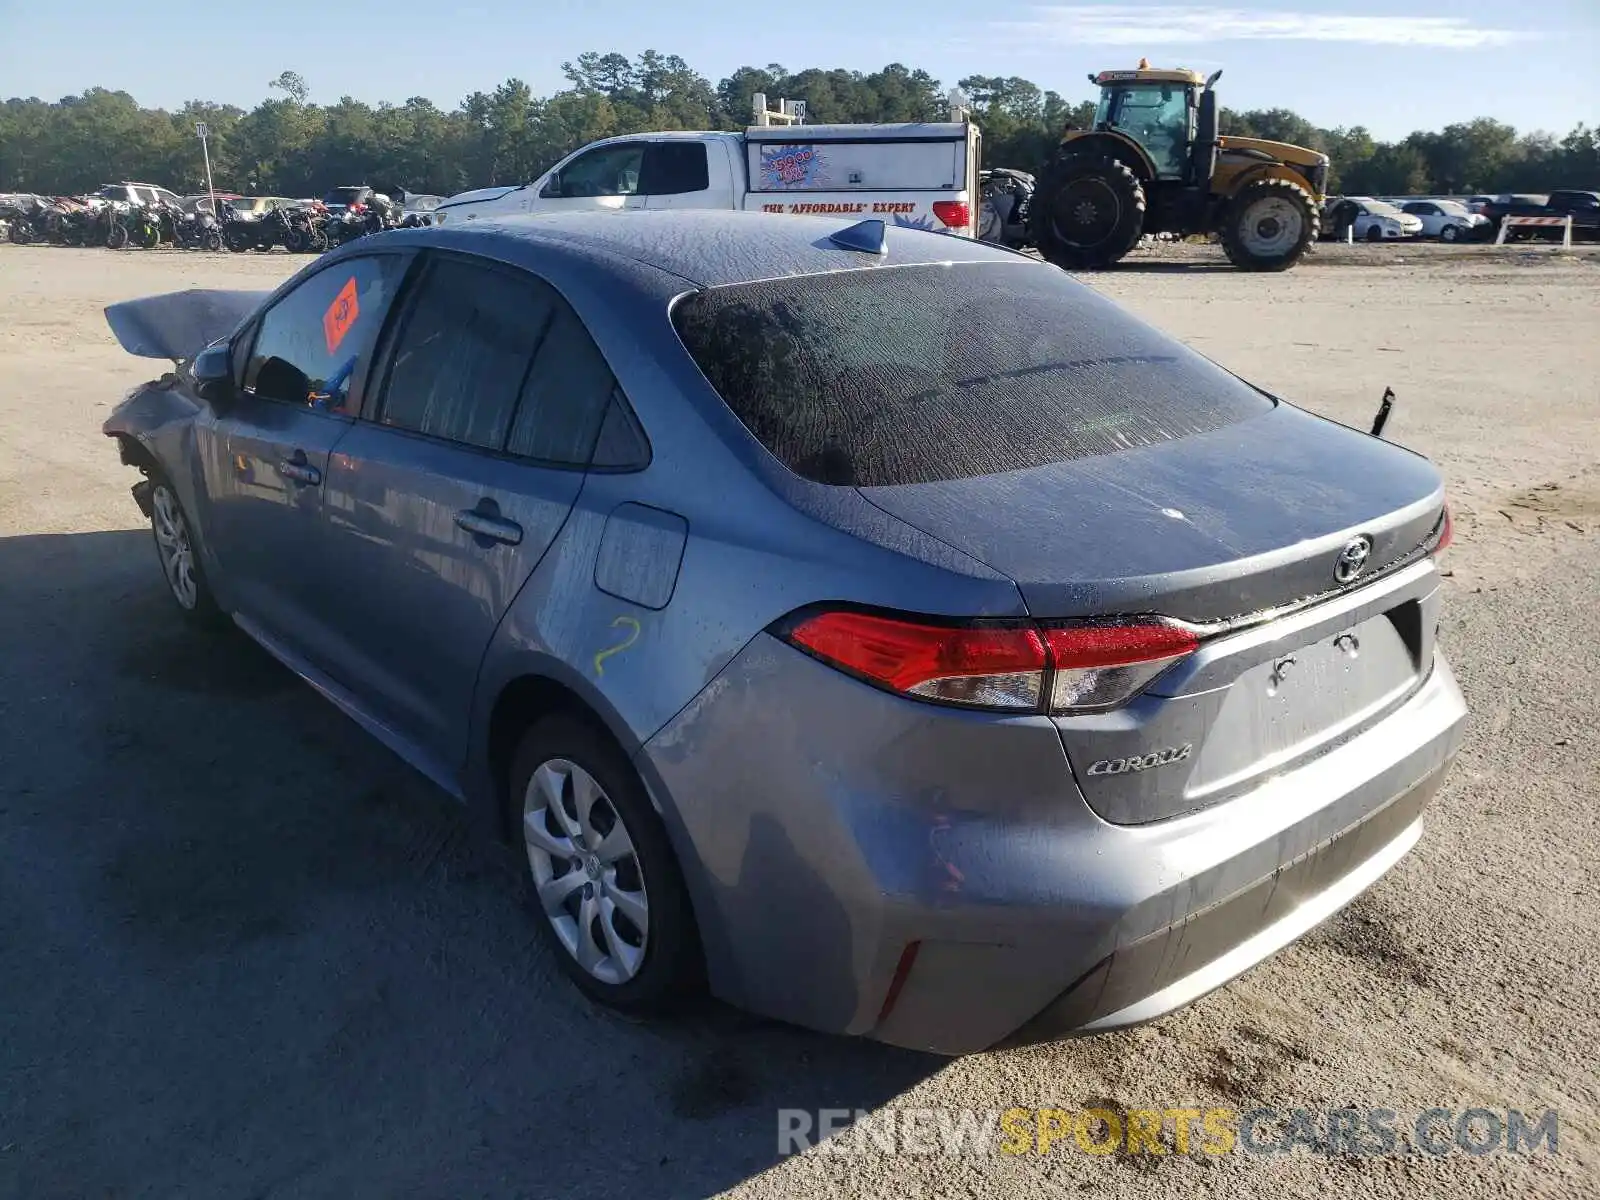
[(1170, 114), (1158, 110)]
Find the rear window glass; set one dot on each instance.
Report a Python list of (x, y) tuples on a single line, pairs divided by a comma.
[(899, 375)]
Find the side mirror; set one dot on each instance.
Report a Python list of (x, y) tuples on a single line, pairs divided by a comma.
[(280, 379), (213, 375), (552, 187)]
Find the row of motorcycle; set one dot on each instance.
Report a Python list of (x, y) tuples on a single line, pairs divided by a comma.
[(310, 228), (95, 221)]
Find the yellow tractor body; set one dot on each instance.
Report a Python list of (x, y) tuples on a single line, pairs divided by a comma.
[(1154, 162)]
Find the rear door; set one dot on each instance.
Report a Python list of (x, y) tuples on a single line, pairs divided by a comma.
[(443, 500), (679, 173), (301, 369)]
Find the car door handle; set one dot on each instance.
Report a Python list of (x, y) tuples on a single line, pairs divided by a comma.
[(484, 525), (300, 472)]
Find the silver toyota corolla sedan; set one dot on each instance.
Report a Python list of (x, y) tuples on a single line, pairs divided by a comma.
[(881, 629)]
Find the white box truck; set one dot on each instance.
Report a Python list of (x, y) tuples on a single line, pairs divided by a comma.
[(923, 175)]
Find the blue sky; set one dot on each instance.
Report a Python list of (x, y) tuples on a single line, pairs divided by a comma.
[(1392, 65)]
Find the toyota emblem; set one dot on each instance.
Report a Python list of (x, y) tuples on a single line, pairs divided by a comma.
[(1352, 558)]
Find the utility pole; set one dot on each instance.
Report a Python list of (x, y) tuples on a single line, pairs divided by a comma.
[(200, 132)]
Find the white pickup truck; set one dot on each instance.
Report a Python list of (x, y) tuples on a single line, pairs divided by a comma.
[(919, 175)]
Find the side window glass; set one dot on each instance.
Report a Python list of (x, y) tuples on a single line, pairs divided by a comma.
[(608, 171), (675, 168), (565, 398), (311, 341), (463, 352), (621, 445)]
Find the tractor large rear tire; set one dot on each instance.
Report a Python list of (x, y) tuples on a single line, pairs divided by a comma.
[(1269, 225), (1088, 212)]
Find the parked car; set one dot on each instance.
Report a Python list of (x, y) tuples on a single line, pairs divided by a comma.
[(1372, 220), (1447, 220), (253, 208), (201, 203), (138, 193), (922, 175), (1582, 206), (937, 653), (340, 198)]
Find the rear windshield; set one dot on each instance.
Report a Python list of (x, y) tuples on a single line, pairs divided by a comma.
[(913, 374), (344, 195)]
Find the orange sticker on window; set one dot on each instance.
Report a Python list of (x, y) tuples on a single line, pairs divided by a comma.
[(341, 315)]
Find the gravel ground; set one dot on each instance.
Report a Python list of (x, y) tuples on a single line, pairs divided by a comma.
[(245, 952)]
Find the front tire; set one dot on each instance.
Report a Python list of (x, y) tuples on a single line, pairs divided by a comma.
[(1269, 226), (116, 236), (179, 556), (603, 882), (1088, 212), (1450, 233)]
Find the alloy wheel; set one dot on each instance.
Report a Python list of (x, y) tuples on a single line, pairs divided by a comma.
[(174, 546)]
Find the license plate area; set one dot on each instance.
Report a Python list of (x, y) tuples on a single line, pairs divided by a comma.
[(1310, 697)]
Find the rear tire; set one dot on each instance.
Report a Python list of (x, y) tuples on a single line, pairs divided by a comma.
[(603, 882), (1374, 234), (1269, 225), (1450, 233), (1088, 212), (116, 237)]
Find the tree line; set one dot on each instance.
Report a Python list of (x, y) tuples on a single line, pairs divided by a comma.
[(289, 146)]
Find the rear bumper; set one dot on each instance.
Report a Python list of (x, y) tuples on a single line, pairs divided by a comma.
[(825, 827), (1176, 966)]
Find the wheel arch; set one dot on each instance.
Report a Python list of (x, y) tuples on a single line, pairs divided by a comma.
[(1112, 144), (545, 687), (1272, 170), (534, 689)]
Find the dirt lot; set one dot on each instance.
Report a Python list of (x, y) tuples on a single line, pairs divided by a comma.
[(244, 952)]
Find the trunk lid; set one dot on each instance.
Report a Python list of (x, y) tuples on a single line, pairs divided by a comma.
[(1240, 519), (1225, 526)]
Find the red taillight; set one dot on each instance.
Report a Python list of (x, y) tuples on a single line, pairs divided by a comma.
[(1447, 533), (1072, 668), (987, 666), (1103, 665), (954, 213)]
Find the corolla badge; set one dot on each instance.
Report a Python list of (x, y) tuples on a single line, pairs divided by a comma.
[(1141, 762), (1352, 558)]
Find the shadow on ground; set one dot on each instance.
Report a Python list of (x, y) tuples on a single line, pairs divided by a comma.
[(249, 953)]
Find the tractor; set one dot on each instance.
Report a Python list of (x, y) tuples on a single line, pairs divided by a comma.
[(1154, 163)]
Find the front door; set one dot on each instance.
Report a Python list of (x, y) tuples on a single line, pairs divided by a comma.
[(606, 177), (443, 501), (266, 456)]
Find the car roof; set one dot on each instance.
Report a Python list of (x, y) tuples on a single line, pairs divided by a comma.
[(712, 247)]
